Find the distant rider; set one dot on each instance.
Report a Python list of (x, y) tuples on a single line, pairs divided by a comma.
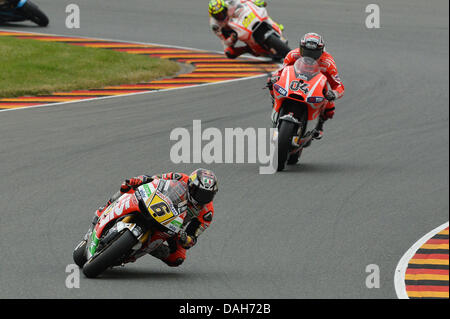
[(220, 12)]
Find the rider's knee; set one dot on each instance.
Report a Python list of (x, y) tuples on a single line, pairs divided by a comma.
[(175, 263), (230, 53)]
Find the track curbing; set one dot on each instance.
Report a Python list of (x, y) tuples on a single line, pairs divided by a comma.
[(209, 68)]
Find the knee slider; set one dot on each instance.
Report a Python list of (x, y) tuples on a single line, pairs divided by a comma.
[(175, 263)]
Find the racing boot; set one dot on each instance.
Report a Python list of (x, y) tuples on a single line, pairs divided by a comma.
[(318, 131)]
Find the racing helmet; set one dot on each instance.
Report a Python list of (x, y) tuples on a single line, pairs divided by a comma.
[(218, 9), (312, 45), (202, 186)]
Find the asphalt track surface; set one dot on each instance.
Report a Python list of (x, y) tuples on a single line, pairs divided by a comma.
[(363, 195)]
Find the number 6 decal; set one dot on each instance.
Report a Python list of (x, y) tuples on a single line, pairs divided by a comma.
[(160, 209)]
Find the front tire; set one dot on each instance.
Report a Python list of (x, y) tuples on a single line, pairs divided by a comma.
[(32, 12), (281, 48), (110, 255), (79, 254), (294, 158), (285, 133)]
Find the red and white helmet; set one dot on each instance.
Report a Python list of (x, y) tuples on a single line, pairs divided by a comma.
[(202, 186), (312, 45)]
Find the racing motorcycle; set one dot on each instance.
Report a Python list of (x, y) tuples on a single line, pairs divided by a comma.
[(22, 10), (299, 99), (135, 224), (253, 26)]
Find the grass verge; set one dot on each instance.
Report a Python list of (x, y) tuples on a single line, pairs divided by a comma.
[(32, 67)]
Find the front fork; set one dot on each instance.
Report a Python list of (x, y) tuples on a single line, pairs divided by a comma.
[(126, 223)]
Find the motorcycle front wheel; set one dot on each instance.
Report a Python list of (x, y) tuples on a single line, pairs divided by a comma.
[(79, 254), (110, 255), (285, 133)]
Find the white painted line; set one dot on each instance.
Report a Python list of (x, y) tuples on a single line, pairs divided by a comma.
[(137, 93), (399, 277)]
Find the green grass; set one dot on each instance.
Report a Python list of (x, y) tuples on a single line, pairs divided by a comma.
[(32, 67)]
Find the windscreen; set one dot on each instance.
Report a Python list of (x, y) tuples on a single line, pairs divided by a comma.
[(306, 66), (176, 192)]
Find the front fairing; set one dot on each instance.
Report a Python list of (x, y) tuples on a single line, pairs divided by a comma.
[(245, 19), (166, 203), (124, 205), (306, 90)]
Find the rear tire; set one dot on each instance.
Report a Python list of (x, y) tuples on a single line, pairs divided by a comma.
[(32, 12), (278, 45), (285, 134), (110, 255)]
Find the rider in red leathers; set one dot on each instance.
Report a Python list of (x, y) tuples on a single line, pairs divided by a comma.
[(312, 45), (202, 187)]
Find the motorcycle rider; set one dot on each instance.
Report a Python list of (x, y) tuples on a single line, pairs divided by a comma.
[(312, 45), (202, 188), (220, 12)]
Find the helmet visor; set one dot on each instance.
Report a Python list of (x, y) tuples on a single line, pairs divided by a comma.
[(220, 16), (201, 196), (312, 53)]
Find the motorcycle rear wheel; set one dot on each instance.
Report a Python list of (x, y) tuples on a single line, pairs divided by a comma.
[(110, 255), (32, 12), (278, 45)]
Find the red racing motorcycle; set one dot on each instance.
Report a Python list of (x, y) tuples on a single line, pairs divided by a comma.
[(299, 99), (134, 225)]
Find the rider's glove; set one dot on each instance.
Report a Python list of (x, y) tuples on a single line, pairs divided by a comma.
[(131, 183), (232, 39), (260, 3), (331, 95), (186, 241), (271, 80), (269, 83), (328, 113)]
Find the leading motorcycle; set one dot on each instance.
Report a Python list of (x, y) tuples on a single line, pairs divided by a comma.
[(22, 10), (253, 26), (299, 99), (135, 224)]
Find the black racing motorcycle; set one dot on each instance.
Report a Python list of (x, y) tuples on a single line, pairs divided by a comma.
[(22, 10)]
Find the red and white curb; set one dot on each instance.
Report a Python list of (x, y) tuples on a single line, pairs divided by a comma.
[(208, 68), (422, 272)]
